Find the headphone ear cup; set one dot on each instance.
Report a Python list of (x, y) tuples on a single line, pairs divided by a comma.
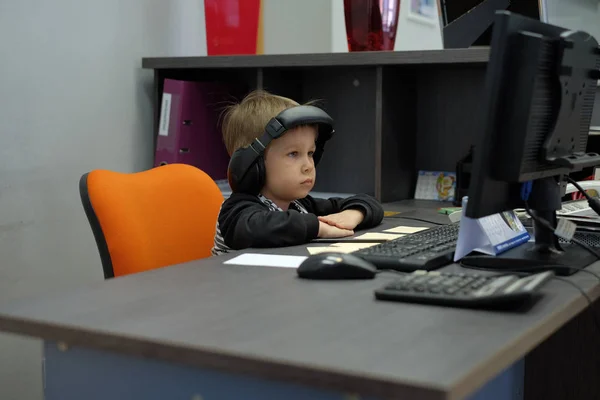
[(245, 172), (318, 154), (253, 180), (240, 174), (261, 174), (233, 172)]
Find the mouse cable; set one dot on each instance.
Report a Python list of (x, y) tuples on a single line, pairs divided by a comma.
[(522, 272), (592, 202)]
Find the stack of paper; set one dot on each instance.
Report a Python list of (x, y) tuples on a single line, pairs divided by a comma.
[(406, 229), (379, 236), (349, 247), (342, 247)]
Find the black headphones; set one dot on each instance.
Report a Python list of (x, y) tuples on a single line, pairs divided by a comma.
[(246, 172)]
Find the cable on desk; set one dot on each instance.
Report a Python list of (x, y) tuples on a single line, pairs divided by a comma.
[(547, 225), (576, 286), (589, 300), (522, 272), (592, 202)]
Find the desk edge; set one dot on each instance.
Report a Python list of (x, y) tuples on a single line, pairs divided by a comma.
[(327, 379), (521, 346)]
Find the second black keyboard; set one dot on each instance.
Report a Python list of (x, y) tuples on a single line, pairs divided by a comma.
[(425, 250)]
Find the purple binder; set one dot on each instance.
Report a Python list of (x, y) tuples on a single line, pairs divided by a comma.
[(189, 130)]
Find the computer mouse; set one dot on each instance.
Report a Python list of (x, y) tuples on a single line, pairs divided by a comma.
[(336, 266)]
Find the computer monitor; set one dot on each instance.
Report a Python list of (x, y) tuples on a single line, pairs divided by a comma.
[(539, 94)]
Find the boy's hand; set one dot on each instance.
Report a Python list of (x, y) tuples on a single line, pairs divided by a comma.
[(330, 231), (347, 219)]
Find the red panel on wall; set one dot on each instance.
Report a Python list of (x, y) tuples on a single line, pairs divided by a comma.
[(231, 26)]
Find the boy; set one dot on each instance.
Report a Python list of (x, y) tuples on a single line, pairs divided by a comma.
[(283, 214)]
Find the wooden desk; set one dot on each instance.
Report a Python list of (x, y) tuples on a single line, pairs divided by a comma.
[(219, 331)]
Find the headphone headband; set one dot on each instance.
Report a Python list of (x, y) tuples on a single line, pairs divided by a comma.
[(246, 172)]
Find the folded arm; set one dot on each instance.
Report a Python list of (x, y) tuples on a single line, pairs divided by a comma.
[(371, 209), (246, 222)]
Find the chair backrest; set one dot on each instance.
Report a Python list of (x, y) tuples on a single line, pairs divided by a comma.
[(151, 219)]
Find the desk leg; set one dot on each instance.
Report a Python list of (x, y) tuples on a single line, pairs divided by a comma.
[(78, 373)]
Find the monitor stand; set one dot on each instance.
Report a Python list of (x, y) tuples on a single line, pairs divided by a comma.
[(546, 252)]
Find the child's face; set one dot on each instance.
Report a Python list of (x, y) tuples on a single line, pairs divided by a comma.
[(290, 168)]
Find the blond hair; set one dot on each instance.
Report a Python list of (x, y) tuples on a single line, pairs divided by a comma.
[(246, 121)]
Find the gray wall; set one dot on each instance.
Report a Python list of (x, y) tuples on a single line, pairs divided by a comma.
[(73, 99), (575, 14), (581, 15), (293, 26)]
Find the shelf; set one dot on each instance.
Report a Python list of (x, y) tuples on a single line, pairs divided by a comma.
[(477, 55), (382, 102)]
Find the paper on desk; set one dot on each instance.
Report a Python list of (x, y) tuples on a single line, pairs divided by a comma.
[(350, 247), (267, 260), (379, 236), (344, 247), (321, 249), (406, 229)]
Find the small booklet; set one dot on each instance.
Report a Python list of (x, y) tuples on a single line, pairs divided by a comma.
[(490, 235)]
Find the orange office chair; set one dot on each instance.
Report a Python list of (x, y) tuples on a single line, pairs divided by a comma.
[(151, 219)]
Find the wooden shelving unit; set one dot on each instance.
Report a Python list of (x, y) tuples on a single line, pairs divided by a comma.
[(395, 112)]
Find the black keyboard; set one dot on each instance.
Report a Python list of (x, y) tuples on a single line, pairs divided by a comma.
[(463, 290), (425, 250)]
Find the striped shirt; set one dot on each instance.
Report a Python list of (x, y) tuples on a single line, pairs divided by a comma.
[(219, 246)]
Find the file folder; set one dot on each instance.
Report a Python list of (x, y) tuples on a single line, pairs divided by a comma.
[(189, 130)]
